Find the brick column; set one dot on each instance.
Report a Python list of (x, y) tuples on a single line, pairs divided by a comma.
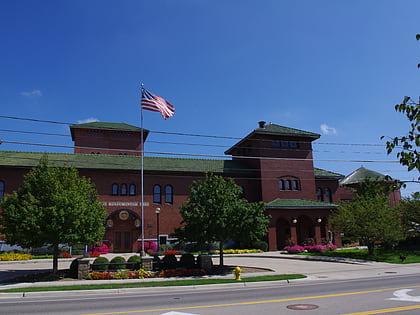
[(147, 263), (83, 268)]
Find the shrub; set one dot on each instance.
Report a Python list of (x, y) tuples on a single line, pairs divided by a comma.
[(260, 245), (148, 245), (331, 247), (137, 260), (296, 249), (169, 262), (173, 252), (315, 248), (100, 260), (187, 261), (157, 263), (14, 256), (94, 254), (65, 255), (119, 262)]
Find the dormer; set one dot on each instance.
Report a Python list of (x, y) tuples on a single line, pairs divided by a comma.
[(107, 138), (270, 140)]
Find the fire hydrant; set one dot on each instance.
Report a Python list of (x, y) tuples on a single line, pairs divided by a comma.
[(237, 272)]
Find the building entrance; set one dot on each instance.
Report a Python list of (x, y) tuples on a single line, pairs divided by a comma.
[(122, 241)]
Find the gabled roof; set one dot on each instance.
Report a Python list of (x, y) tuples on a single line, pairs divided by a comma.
[(106, 125), (298, 203), (123, 162), (363, 174), (277, 130), (320, 173)]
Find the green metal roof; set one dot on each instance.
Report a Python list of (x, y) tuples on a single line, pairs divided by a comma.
[(361, 175), (320, 173), (107, 125), (299, 203), (281, 130), (277, 130), (123, 162)]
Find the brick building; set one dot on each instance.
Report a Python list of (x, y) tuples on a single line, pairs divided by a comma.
[(272, 164)]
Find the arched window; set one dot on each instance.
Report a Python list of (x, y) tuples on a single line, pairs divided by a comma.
[(169, 196), (327, 195), (319, 194), (295, 184), (132, 190), (1, 189), (157, 196), (123, 191), (281, 184), (288, 184), (114, 191)]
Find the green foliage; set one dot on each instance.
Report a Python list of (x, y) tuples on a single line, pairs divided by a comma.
[(119, 262), (215, 211), (100, 260), (169, 262), (136, 259), (54, 206), (410, 209), (187, 261), (370, 219), (408, 144), (260, 245)]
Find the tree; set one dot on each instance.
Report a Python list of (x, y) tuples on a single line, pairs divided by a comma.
[(369, 218), (54, 206), (410, 210), (214, 212), (408, 144)]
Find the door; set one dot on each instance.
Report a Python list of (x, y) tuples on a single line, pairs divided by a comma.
[(122, 242)]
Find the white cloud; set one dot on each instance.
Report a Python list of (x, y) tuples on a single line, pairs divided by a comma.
[(87, 120), (327, 130), (32, 93)]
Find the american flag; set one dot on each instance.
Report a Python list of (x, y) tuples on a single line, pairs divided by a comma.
[(156, 103)]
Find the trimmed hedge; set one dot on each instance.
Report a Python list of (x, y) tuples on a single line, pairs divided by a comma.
[(100, 260), (137, 260), (118, 259)]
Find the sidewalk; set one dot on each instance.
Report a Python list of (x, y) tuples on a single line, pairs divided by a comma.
[(315, 268)]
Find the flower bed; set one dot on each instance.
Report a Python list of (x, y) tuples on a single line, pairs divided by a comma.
[(14, 256), (296, 249), (141, 274)]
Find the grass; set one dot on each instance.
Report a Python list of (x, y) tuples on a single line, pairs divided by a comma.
[(381, 255), (188, 282)]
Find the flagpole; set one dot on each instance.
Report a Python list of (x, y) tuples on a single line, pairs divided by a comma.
[(142, 176)]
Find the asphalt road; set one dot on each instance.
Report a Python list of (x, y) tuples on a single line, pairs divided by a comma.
[(390, 294)]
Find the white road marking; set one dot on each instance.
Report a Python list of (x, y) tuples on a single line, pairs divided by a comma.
[(401, 295)]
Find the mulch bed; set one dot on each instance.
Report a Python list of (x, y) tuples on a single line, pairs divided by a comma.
[(65, 275)]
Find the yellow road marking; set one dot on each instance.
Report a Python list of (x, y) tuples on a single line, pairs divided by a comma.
[(263, 302), (387, 310)]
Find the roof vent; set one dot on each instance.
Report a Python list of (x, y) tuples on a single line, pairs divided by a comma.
[(262, 124)]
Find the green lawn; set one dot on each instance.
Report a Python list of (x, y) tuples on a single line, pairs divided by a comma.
[(389, 256), (164, 283)]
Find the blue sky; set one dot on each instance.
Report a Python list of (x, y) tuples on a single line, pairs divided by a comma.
[(332, 67)]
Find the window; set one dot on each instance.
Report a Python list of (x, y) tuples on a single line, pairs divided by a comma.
[(114, 190), (289, 183), (1, 189), (123, 191), (168, 194), (157, 197), (327, 195), (132, 190), (281, 184), (319, 194)]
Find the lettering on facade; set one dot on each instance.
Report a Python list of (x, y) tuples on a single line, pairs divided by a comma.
[(123, 204)]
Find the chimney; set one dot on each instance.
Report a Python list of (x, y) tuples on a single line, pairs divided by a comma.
[(262, 124)]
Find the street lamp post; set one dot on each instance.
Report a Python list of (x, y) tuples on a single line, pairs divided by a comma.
[(157, 211)]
